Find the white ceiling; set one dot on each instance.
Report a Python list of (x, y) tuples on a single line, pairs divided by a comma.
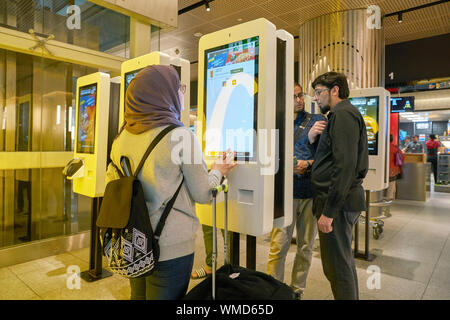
[(291, 14)]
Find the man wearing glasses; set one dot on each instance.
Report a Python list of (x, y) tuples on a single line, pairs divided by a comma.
[(303, 220), (341, 164)]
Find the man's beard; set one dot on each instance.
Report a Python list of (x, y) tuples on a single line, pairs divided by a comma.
[(324, 109)]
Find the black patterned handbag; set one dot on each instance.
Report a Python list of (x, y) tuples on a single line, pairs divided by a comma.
[(126, 235)]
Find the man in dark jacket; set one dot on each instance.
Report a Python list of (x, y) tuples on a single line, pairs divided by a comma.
[(341, 164)]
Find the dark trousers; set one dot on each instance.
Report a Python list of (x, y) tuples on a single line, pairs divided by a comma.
[(169, 281), (433, 160), (337, 256)]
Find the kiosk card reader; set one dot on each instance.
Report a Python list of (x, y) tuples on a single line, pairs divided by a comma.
[(374, 105), (130, 69), (245, 104)]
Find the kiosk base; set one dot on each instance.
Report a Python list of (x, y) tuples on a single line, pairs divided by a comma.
[(90, 276), (95, 272), (366, 255)]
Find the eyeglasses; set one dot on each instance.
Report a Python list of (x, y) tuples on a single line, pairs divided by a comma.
[(318, 92), (299, 96), (183, 88)]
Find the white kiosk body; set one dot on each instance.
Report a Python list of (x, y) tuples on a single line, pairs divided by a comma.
[(374, 105), (131, 67), (285, 118), (238, 108), (91, 140)]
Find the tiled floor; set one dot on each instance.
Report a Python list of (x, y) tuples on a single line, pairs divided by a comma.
[(413, 255)]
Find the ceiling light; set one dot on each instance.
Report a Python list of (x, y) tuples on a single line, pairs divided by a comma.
[(207, 6), (400, 17), (198, 34)]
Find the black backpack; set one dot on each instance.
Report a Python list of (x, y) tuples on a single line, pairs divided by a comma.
[(126, 235)]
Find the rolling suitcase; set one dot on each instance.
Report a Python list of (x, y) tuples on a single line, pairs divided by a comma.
[(234, 282)]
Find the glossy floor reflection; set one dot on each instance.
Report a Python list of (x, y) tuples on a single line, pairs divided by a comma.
[(413, 255)]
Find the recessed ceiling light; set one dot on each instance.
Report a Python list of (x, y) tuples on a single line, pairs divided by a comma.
[(198, 34), (239, 19)]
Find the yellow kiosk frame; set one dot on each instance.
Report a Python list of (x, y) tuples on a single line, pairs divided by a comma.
[(92, 183)]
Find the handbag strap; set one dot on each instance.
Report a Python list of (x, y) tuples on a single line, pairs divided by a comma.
[(302, 126), (165, 214)]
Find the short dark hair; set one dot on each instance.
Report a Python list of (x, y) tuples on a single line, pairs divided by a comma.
[(432, 136), (391, 138), (331, 79), (415, 136), (296, 84)]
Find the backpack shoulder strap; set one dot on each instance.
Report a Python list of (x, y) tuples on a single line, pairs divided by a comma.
[(165, 214), (121, 175), (152, 146)]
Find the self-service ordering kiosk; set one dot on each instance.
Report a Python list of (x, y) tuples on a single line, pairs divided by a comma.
[(131, 67), (245, 104), (88, 168), (373, 103)]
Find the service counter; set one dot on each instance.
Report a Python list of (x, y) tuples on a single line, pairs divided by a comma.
[(415, 178)]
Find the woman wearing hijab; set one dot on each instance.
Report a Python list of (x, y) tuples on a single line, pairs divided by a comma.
[(154, 100)]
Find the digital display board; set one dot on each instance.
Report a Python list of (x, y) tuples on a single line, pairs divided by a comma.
[(130, 76), (86, 119), (368, 106), (402, 104), (231, 87)]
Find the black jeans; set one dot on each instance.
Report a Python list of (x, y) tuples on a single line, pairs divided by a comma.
[(433, 160), (337, 256)]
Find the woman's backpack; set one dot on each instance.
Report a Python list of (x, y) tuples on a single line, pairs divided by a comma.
[(128, 241)]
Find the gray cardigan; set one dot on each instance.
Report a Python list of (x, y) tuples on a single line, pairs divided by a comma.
[(178, 153)]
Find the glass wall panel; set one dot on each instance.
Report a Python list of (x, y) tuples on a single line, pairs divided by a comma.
[(77, 22), (37, 114)]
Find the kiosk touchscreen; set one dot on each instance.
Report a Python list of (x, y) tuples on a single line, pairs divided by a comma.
[(88, 168), (242, 69), (373, 103), (131, 68)]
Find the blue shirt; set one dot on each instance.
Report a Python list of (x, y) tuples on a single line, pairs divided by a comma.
[(303, 150)]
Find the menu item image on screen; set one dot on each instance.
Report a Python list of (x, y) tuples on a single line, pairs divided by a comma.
[(368, 107), (86, 119), (231, 87)]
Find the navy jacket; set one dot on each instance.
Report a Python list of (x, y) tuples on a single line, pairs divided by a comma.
[(304, 151)]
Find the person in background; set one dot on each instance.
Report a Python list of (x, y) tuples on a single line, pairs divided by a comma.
[(414, 146), (303, 217), (153, 101), (405, 143), (432, 150), (340, 166), (395, 171)]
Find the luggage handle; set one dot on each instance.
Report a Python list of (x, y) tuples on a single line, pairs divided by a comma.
[(215, 191)]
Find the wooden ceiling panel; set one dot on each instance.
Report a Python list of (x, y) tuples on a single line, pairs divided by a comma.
[(291, 14), (221, 9), (244, 15)]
